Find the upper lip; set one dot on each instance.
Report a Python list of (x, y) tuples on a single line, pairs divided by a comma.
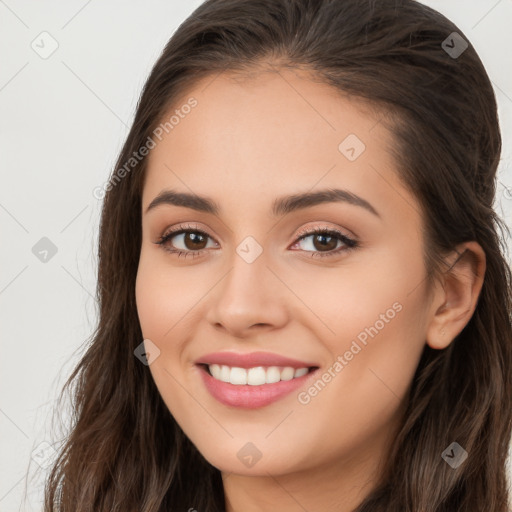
[(251, 360)]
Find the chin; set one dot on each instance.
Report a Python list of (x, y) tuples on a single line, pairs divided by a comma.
[(254, 459)]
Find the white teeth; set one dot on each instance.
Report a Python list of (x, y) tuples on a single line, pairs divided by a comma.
[(238, 375), (255, 376), (273, 375), (287, 373), (300, 372), (224, 373), (215, 371)]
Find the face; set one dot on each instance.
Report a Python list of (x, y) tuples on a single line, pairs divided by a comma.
[(251, 274)]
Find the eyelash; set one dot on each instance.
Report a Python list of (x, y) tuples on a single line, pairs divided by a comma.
[(349, 242)]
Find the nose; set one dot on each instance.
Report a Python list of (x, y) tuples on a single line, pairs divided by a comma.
[(248, 300)]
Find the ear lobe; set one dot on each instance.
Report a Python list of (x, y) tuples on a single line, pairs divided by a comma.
[(457, 295)]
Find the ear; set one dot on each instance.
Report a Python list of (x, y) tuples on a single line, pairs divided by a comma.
[(456, 295)]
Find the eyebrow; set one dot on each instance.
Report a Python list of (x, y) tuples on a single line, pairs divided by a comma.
[(281, 206)]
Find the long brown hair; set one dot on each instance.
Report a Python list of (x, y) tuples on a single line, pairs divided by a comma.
[(125, 451)]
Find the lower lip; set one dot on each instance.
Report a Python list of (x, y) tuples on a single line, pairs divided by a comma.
[(251, 397)]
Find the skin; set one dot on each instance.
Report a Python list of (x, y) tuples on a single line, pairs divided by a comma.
[(246, 143)]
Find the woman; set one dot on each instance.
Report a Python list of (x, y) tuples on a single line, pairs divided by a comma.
[(304, 299)]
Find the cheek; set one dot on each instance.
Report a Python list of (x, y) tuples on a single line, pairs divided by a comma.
[(364, 387), (373, 316), (365, 290), (151, 301), (166, 296), (164, 299)]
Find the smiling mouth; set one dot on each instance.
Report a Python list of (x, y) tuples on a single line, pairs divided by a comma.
[(255, 376)]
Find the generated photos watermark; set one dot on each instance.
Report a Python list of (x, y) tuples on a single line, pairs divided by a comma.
[(143, 151), (305, 397)]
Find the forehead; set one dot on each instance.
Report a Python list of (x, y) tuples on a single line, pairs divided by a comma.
[(269, 134)]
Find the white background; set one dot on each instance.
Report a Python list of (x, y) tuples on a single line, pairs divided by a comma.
[(62, 123)]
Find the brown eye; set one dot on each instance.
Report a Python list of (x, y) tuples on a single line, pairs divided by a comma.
[(194, 241), (185, 241), (324, 242)]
